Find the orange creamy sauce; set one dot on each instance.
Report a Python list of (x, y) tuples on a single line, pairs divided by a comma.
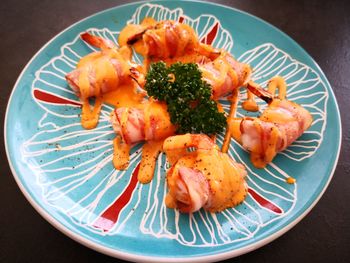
[(90, 116), (278, 83), (291, 180), (250, 104), (150, 152), (124, 96), (121, 154), (232, 113)]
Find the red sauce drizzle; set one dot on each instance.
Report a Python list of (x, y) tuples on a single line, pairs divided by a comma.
[(181, 19), (51, 98), (264, 202), (110, 216), (209, 38)]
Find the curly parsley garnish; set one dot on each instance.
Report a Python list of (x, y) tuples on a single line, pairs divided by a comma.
[(188, 97)]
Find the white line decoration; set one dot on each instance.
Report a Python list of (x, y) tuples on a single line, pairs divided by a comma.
[(74, 170)]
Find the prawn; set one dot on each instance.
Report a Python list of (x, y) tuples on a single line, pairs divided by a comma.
[(160, 40), (225, 74), (102, 71), (150, 121), (279, 125), (203, 178)]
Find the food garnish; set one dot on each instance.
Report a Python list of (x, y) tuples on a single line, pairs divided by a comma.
[(187, 96)]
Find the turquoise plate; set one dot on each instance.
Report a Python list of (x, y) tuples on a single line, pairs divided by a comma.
[(66, 172)]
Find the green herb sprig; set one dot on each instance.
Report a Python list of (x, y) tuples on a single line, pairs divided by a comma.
[(188, 97)]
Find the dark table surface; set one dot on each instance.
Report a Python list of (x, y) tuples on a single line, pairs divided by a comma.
[(321, 27)]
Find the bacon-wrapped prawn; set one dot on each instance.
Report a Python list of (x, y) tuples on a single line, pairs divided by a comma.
[(225, 74), (101, 71), (149, 122), (278, 127), (160, 40), (204, 178)]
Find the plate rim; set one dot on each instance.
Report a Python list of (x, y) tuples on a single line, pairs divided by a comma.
[(132, 256)]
